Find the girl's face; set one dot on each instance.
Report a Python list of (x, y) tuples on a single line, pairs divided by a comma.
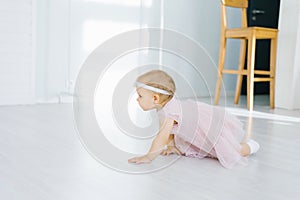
[(146, 99)]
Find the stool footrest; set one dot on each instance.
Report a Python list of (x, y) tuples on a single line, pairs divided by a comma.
[(233, 71), (263, 79), (245, 72)]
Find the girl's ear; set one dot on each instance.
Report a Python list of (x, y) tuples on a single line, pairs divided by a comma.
[(156, 98)]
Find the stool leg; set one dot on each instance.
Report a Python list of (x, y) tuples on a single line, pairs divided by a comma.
[(250, 68), (272, 71), (239, 80), (222, 54)]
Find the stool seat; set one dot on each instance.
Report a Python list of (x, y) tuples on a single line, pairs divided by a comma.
[(248, 37), (259, 32)]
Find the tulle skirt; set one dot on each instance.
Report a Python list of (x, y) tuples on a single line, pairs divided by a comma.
[(213, 132)]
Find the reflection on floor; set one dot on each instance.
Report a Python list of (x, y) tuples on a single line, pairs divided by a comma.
[(41, 157)]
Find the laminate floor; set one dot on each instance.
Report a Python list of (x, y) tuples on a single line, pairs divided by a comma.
[(41, 158)]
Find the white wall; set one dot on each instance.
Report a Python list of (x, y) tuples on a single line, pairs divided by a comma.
[(296, 88), (53, 49), (60, 48), (94, 22), (41, 48), (288, 59), (17, 48), (68, 31), (200, 20)]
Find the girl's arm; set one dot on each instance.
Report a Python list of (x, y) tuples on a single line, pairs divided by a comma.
[(158, 143), (171, 148), (171, 140), (162, 139)]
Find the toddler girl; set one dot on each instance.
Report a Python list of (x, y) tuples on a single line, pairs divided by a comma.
[(190, 128)]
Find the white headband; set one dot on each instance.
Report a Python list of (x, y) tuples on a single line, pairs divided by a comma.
[(154, 89)]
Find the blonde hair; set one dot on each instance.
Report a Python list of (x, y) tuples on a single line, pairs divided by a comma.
[(159, 79)]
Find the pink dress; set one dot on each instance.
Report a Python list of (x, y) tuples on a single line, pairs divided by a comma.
[(203, 130)]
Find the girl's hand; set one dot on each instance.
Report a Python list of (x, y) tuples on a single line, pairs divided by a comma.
[(171, 150), (140, 160)]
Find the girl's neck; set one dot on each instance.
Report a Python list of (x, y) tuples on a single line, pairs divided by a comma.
[(158, 107)]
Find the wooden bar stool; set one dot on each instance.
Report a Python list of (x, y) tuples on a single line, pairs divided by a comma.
[(248, 36)]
